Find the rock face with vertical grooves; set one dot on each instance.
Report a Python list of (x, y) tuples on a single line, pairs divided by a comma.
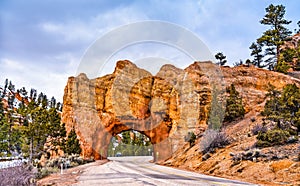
[(164, 107)]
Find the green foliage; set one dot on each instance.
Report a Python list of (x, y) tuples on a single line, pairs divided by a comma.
[(272, 137), (191, 137), (9, 132), (284, 108), (126, 137), (274, 37), (54, 127), (291, 56), (222, 59), (136, 145), (217, 111), (234, 105), (282, 67), (288, 55), (72, 144), (4, 128), (27, 127), (256, 52)]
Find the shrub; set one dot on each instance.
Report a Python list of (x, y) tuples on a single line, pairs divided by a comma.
[(272, 137), (191, 137), (45, 171), (20, 175), (259, 128), (213, 139)]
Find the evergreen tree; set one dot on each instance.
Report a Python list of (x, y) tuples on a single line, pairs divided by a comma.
[(126, 137), (216, 114), (291, 56), (52, 102), (36, 127), (222, 59), (298, 31), (72, 144), (282, 67), (236, 64), (10, 134), (273, 38), (55, 129), (290, 97), (234, 105), (248, 62), (284, 107), (4, 128), (297, 57), (28, 126), (257, 55)]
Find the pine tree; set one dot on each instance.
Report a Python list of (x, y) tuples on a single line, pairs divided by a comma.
[(273, 38), (35, 127), (55, 130), (222, 59), (290, 97), (234, 105), (298, 31), (72, 144), (284, 107), (257, 55), (4, 128)]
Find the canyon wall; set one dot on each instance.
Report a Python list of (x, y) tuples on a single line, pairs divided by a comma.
[(164, 107)]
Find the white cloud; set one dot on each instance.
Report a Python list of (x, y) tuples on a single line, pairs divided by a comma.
[(89, 29), (38, 76), (226, 26)]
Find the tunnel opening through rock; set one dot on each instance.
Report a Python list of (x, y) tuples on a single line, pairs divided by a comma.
[(130, 143)]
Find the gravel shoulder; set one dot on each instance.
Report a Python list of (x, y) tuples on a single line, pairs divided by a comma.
[(69, 176)]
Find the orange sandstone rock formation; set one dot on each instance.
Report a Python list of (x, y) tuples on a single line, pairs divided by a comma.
[(164, 107)]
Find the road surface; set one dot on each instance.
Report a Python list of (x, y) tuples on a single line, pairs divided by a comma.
[(136, 170)]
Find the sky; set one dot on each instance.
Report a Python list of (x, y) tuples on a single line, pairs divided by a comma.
[(42, 43)]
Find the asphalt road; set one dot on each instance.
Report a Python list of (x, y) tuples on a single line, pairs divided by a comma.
[(137, 170)]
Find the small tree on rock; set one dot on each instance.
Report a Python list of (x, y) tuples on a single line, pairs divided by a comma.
[(256, 52), (222, 59), (234, 105)]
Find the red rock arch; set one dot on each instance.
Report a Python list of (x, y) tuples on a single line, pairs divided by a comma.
[(164, 107)]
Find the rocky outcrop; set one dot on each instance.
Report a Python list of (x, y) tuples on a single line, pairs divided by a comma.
[(252, 83), (240, 160), (164, 107)]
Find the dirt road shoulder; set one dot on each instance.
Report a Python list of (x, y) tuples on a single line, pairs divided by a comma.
[(69, 176)]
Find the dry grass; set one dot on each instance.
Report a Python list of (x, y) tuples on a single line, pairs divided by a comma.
[(280, 165)]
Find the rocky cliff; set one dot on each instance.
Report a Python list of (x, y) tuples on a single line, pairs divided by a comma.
[(276, 165), (164, 107)]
